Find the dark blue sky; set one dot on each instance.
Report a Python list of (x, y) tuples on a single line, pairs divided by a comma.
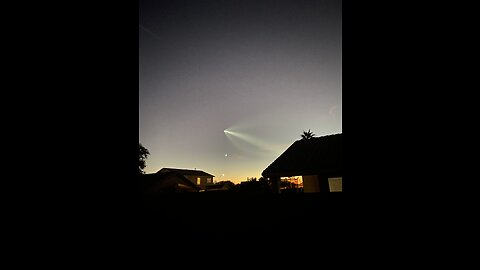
[(265, 70)]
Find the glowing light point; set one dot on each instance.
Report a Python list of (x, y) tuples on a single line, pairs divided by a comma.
[(223, 174), (226, 155)]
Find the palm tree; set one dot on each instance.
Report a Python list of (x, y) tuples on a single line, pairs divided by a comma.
[(307, 135)]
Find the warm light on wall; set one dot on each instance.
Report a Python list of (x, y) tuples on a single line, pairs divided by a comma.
[(297, 181), (335, 184)]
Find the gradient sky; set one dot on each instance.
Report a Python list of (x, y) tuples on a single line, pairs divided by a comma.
[(264, 70)]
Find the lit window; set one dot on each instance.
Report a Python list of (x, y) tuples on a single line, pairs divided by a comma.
[(198, 180), (209, 180), (294, 182), (335, 184)]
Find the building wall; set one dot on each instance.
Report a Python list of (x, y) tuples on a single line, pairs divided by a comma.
[(310, 183), (203, 180), (335, 184)]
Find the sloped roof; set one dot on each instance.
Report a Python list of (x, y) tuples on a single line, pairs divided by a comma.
[(155, 182), (186, 172), (319, 155), (219, 186)]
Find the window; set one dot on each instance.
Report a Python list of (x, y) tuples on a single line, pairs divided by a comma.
[(198, 180), (335, 184), (294, 182), (209, 180)]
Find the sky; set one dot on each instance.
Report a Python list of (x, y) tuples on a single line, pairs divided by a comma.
[(227, 86)]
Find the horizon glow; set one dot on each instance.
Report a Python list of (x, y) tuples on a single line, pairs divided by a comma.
[(259, 71)]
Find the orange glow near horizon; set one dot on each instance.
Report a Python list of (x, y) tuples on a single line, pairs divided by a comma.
[(233, 177), (296, 180)]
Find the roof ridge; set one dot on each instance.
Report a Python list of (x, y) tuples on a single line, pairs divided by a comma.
[(185, 171), (320, 137), (319, 155)]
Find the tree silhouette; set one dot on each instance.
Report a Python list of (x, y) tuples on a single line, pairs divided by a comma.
[(143, 153), (307, 135)]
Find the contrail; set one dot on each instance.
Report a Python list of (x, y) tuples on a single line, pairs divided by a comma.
[(148, 31), (248, 142)]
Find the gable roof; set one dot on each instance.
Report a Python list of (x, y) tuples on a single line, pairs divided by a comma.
[(319, 155), (219, 186), (186, 172), (156, 182)]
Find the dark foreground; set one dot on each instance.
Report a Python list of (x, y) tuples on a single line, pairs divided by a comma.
[(245, 217)]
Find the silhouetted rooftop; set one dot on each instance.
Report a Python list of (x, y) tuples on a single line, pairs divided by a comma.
[(161, 180), (219, 186), (214, 186), (319, 155), (186, 172)]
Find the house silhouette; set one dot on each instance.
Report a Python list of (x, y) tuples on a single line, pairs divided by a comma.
[(200, 178), (167, 182), (318, 160)]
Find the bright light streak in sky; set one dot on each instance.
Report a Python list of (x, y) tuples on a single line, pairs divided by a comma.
[(261, 71), (247, 142)]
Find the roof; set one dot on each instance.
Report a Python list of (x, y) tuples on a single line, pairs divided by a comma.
[(155, 182), (219, 186), (319, 155), (186, 172), (216, 187)]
